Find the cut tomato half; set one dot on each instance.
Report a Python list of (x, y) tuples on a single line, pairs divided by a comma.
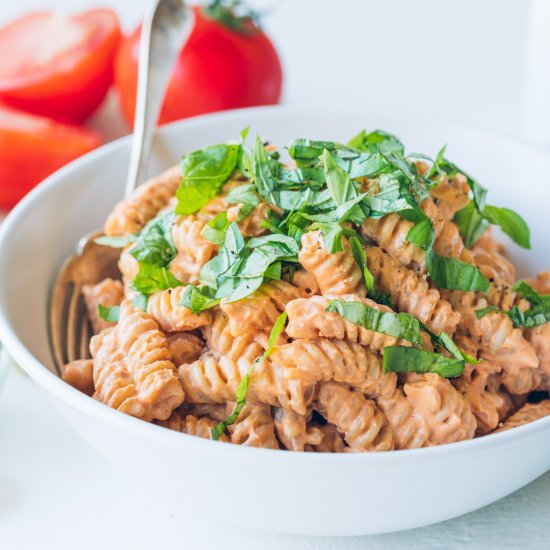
[(56, 65)]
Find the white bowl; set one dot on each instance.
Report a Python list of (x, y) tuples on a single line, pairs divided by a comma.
[(317, 494)]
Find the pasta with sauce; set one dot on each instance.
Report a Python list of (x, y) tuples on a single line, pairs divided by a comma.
[(350, 300)]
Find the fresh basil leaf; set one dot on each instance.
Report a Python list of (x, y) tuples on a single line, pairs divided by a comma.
[(154, 244), (274, 271), (115, 242), (241, 288), (307, 151), (538, 314), (471, 224), (529, 293), (112, 314), (227, 256), (407, 359), (242, 388), (203, 174), (489, 309), (214, 230), (510, 222), (109, 314), (264, 173), (332, 236), (198, 299), (360, 258), (373, 141), (422, 232), (399, 325), (246, 196), (479, 192), (151, 278), (444, 341), (339, 183), (455, 275)]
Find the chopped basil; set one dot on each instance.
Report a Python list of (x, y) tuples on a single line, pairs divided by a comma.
[(109, 314), (454, 274), (407, 359), (538, 314), (115, 242), (112, 314), (152, 279), (471, 224), (214, 230), (399, 325), (242, 388), (241, 267), (197, 299), (154, 244), (203, 173), (509, 221), (246, 196)]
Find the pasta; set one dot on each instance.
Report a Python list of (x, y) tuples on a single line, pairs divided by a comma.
[(335, 273), (527, 413), (411, 293), (342, 303), (107, 293), (130, 215)]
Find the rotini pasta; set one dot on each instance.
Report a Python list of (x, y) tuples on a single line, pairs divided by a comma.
[(357, 418), (335, 273), (319, 316), (108, 293), (130, 215)]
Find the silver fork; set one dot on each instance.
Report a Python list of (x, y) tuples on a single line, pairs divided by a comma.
[(165, 29)]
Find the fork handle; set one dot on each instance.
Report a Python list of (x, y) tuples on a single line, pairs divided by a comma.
[(165, 29)]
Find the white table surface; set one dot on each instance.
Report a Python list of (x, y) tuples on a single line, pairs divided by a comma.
[(57, 493)]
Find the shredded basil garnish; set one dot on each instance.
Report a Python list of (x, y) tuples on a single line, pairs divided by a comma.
[(399, 325), (242, 388), (402, 359)]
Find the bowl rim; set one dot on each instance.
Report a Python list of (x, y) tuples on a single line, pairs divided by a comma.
[(106, 415)]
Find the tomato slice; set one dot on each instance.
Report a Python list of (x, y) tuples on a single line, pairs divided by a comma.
[(56, 65), (32, 147)]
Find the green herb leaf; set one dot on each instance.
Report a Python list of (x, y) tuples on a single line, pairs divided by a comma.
[(529, 293), (112, 314), (154, 244), (264, 173), (115, 242), (360, 258), (109, 314), (203, 174), (242, 388), (455, 275), (246, 196), (479, 192), (510, 222), (405, 359), (471, 224), (197, 299), (214, 230), (444, 341), (538, 314), (151, 278), (399, 325)]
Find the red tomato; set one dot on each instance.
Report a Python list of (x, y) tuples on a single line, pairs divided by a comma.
[(219, 68), (58, 66), (32, 147)]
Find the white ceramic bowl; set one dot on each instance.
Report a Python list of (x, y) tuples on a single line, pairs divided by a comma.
[(321, 494)]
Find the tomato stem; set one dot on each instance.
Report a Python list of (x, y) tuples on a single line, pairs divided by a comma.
[(234, 15)]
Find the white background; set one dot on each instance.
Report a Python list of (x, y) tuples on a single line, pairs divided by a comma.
[(486, 63)]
